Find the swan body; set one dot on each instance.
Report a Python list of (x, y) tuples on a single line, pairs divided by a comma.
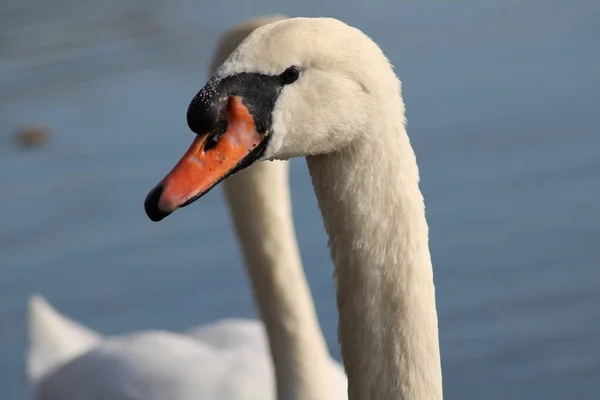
[(285, 357), (320, 89), (226, 359)]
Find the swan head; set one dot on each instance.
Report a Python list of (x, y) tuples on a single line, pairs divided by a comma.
[(295, 87)]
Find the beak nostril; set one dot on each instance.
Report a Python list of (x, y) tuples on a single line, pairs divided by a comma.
[(215, 135)]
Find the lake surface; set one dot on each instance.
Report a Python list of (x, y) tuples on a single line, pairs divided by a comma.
[(502, 105)]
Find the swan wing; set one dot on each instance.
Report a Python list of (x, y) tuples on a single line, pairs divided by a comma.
[(230, 333), (162, 365), (54, 339)]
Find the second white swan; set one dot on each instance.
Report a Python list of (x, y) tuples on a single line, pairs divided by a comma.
[(230, 359)]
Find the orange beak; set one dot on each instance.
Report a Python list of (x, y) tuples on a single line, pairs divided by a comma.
[(205, 164)]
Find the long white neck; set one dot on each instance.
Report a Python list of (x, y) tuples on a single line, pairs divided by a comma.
[(374, 215), (260, 205)]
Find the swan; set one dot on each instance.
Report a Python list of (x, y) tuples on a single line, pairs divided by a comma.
[(229, 359), (321, 89)]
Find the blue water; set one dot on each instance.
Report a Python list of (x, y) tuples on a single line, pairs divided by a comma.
[(502, 101)]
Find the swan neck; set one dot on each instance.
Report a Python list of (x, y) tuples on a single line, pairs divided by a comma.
[(374, 214), (262, 217)]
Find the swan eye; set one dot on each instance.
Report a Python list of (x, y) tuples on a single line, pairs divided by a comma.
[(290, 75)]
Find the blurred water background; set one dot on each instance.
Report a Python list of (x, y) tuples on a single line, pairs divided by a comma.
[(502, 103)]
